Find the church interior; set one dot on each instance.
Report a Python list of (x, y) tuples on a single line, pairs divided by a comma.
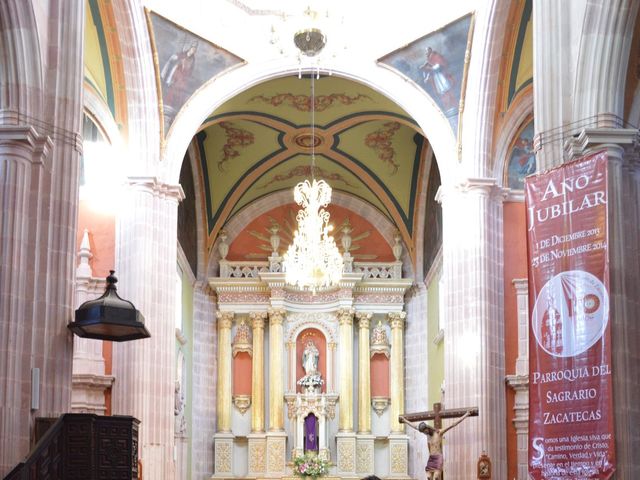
[(163, 141)]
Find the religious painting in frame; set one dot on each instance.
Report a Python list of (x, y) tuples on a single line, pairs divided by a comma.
[(183, 62), (521, 160), (436, 64)]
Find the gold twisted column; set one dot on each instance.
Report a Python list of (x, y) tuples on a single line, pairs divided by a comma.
[(276, 369), (364, 373), (345, 321), (257, 371), (396, 319), (225, 320)]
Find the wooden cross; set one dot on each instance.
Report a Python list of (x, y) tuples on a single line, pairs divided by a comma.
[(437, 414)]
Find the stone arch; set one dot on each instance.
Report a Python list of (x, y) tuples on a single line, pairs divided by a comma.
[(21, 79), (480, 102), (214, 93), (513, 121), (235, 225)]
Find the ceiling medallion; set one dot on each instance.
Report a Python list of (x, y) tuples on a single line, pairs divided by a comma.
[(310, 41), (307, 140)]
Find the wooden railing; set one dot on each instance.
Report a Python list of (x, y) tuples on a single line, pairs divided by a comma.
[(83, 446)]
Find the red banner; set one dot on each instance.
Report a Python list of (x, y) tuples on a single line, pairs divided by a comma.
[(570, 393)]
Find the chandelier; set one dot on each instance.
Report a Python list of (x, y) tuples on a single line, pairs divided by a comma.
[(313, 260)]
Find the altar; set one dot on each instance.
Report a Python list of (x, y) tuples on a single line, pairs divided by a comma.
[(310, 373)]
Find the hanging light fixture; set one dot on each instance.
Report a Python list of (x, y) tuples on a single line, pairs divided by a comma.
[(313, 260)]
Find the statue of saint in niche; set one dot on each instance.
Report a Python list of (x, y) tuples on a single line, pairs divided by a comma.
[(310, 358), (312, 380)]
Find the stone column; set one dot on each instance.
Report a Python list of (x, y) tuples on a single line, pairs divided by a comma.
[(257, 440), (396, 320), (146, 267), (520, 381), (364, 441), (624, 282), (345, 439), (345, 351), (223, 439), (364, 373), (204, 379), (398, 441), (40, 145), (225, 322), (23, 169), (257, 371), (474, 324), (276, 437)]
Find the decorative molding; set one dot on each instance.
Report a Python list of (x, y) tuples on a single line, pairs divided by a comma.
[(242, 403), (364, 456), (380, 404), (223, 448), (380, 341), (225, 320), (156, 187), (242, 340), (396, 319)]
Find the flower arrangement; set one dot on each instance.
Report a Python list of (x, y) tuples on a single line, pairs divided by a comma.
[(310, 465)]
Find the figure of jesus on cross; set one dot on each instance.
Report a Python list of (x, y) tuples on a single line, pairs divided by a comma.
[(436, 433)]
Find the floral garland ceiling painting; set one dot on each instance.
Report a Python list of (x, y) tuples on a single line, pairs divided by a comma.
[(260, 143)]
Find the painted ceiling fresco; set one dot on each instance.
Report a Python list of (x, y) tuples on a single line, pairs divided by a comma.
[(436, 63), (253, 243), (261, 141), (103, 69)]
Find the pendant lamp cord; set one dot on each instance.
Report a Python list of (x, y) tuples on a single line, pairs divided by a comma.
[(313, 128)]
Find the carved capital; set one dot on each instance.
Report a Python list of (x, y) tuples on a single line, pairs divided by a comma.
[(258, 319), (345, 316), (364, 319), (225, 320), (396, 319), (276, 316), (157, 188)]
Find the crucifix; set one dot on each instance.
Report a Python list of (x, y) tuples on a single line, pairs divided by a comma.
[(436, 433)]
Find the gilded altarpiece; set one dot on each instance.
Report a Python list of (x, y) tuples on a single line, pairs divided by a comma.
[(313, 354)]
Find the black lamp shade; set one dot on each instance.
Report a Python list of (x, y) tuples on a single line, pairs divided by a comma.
[(109, 317)]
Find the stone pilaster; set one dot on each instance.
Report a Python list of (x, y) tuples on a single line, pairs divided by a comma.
[(520, 381), (23, 167), (364, 373), (204, 380), (146, 256), (345, 352), (396, 320), (225, 322), (257, 371), (276, 369), (474, 324), (624, 282)]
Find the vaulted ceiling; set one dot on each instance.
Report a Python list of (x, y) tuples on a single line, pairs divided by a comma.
[(260, 142)]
